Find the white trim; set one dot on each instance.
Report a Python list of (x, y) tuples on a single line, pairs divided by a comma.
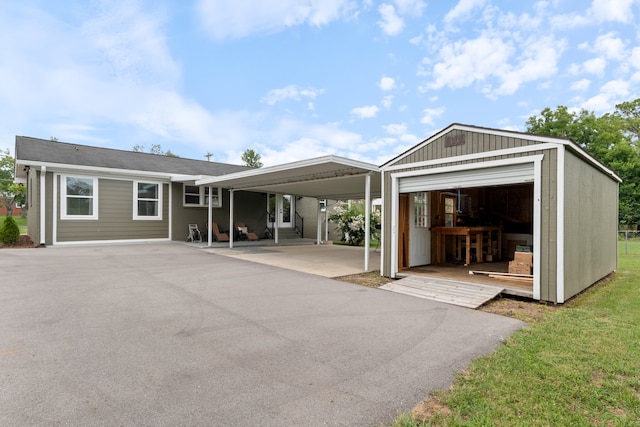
[(469, 166), (64, 196), (231, 227), (474, 156), (537, 231), (64, 168), (290, 166), (382, 229), (560, 170), (111, 242), (136, 215), (394, 226)]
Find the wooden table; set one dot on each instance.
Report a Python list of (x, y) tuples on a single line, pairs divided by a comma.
[(467, 232)]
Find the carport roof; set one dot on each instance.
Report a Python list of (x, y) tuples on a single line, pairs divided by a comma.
[(330, 177)]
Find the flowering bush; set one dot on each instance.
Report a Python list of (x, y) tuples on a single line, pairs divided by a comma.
[(351, 222)]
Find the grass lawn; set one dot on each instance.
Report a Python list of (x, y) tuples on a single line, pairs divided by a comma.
[(579, 366), (22, 223)]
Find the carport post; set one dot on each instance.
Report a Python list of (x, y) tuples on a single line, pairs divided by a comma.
[(319, 233), (209, 218), (278, 212), (367, 219), (231, 194)]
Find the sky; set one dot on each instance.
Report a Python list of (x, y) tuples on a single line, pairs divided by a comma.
[(298, 79)]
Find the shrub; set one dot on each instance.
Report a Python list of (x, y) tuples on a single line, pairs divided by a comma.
[(10, 232), (351, 221)]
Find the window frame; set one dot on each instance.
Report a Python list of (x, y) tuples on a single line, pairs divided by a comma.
[(64, 197), (136, 199), (203, 196)]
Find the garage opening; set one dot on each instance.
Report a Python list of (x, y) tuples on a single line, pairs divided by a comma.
[(472, 226)]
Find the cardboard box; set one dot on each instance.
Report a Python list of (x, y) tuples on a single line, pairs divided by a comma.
[(523, 257), (519, 267)]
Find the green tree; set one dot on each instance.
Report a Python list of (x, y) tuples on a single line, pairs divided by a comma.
[(154, 149), (611, 138), (10, 192), (251, 158)]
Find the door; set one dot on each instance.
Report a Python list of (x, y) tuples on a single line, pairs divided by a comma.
[(419, 229), (403, 231), (285, 210)]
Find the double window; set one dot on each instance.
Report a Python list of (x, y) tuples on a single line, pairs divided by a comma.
[(147, 200), (199, 196), (78, 197)]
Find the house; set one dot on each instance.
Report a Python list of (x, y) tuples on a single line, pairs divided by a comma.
[(469, 193), (80, 194)]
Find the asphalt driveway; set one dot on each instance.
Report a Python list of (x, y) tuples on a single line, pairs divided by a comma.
[(169, 334)]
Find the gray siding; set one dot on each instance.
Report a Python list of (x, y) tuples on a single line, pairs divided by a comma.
[(115, 217), (590, 234)]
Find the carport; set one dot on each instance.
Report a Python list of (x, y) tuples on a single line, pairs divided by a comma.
[(328, 177)]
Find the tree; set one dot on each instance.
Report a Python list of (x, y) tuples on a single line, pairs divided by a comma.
[(611, 138), (10, 193), (251, 158), (154, 149)]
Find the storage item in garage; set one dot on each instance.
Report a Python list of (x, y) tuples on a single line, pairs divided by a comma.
[(519, 267), (523, 257)]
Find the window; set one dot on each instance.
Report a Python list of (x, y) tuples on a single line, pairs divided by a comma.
[(420, 210), (147, 200), (78, 197), (199, 196)]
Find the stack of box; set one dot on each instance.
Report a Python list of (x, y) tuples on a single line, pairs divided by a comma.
[(522, 263)]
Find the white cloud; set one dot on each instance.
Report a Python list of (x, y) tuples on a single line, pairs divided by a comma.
[(410, 7), (462, 10), (430, 114), (610, 47), (387, 101), (391, 23), (224, 19), (611, 93), (366, 112), (620, 11), (635, 57), (580, 85), (387, 83), (290, 92), (396, 128), (595, 66)]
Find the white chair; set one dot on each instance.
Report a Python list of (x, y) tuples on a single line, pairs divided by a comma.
[(194, 234)]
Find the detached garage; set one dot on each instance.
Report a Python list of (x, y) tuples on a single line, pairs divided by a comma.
[(526, 206)]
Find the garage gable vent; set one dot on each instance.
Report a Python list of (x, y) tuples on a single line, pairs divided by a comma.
[(482, 177)]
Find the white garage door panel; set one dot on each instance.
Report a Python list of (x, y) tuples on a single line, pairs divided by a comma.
[(500, 175)]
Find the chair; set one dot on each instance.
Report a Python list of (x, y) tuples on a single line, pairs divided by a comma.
[(194, 234), (220, 237), (244, 233)]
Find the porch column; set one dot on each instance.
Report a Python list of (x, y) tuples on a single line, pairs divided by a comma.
[(231, 233), (367, 220), (326, 220), (319, 232), (43, 211), (209, 218), (278, 214)]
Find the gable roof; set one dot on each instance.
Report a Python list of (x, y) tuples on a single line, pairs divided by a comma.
[(42, 152), (508, 133)]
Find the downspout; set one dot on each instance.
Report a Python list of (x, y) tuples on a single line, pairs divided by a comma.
[(43, 212)]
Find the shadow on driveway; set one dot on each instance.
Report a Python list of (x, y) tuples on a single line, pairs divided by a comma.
[(168, 334)]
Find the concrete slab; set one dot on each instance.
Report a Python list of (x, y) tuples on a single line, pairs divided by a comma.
[(168, 334), (323, 260)]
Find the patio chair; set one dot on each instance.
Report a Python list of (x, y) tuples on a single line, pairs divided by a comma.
[(244, 233), (218, 236), (194, 234)]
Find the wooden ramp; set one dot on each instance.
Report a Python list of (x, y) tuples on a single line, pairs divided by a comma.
[(471, 295)]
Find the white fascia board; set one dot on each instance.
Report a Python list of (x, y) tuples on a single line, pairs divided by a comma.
[(290, 166), (188, 178), (94, 170)]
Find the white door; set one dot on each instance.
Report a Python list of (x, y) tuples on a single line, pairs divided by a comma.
[(419, 233), (286, 210)]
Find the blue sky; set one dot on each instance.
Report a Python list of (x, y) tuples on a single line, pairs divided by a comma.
[(295, 79)]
